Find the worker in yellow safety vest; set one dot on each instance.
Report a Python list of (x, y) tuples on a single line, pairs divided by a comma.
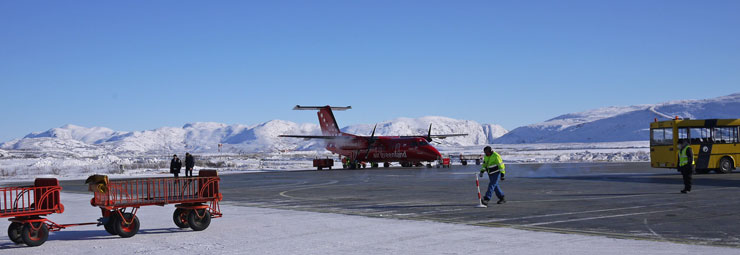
[(494, 166), (686, 165)]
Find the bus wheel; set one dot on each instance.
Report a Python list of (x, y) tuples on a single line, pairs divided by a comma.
[(725, 165)]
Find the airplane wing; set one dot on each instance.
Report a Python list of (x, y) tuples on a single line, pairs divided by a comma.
[(325, 137), (446, 135)]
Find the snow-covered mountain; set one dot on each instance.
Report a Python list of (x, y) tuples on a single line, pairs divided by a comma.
[(629, 123), (203, 137)]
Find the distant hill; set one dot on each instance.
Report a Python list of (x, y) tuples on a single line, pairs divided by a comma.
[(614, 124), (203, 137)]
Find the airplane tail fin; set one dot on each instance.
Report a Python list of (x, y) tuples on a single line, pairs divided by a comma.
[(326, 118)]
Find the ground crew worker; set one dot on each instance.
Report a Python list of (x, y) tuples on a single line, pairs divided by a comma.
[(494, 166), (686, 165)]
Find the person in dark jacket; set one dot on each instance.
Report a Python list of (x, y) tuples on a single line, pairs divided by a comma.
[(686, 165), (189, 164), (175, 165)]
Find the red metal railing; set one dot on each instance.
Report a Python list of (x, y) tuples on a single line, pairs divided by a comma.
[(158, 191), (30, 200)]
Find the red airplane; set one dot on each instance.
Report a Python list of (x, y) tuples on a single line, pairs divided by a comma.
[(408, 150)]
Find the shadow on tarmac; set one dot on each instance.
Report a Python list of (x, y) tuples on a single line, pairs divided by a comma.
[(655, 178)]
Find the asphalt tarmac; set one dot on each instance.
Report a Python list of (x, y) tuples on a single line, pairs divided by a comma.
[(620, 200)]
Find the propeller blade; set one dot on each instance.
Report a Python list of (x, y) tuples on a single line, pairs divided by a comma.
[(429, 135)]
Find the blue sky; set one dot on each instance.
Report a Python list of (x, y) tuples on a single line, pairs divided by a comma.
[(136, 65)]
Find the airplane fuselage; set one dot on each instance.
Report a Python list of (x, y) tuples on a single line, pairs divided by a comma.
[(383, 148)]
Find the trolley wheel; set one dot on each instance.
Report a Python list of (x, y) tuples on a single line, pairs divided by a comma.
[(126, 230), (180, 217), (199, 223), (14, 232), (34, 234), (109, 224)]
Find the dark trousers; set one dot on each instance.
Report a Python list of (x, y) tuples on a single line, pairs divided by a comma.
[(188, 172), (687, 172), (176, 174)]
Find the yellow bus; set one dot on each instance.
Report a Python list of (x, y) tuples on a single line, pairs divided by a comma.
[(714, 142)]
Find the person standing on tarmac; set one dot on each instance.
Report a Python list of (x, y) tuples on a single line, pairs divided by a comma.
[(189, 164), (494, 166), (686, 165)]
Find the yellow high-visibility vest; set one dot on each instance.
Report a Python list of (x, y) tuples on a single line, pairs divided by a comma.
[(683, 159), (494, 159)]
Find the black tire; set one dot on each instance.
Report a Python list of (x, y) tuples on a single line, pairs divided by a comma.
[(35, 238), (180, 217), (197, 223), (318, 168), (109, 225), (14, 232), (725, 166), (126, 230), (386, 164)]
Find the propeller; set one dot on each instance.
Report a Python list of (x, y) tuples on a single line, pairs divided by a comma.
[(429, 135), (370, 142)]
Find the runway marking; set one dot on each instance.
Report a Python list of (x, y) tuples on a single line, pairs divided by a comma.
[(600, 217), (580, 212), (651, 229), (610, 197), (284, 193), (620, 215)]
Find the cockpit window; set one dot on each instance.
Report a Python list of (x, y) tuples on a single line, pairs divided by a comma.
[(423, 143), (414, 144)]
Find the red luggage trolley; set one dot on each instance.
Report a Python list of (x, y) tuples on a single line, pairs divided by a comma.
[(27, 206), (195, 198)]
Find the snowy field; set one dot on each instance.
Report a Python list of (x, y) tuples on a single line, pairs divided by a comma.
[(247, 230), (25, 165)]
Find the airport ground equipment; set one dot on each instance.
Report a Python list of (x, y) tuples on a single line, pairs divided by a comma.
[(195, 198), (464, 158), (444, 163), (715, 143), (321, 163), (27, 207)]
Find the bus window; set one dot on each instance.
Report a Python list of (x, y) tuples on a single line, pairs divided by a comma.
[(699, 135), (724, 135), (661, 136), (683, 134)]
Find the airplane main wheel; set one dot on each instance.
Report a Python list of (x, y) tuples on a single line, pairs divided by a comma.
[(14, 232), (180, 217), (34, 234), (127, 226), (386, 164), (199, 219)]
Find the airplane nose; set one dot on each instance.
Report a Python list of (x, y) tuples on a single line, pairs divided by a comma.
[(433, 152)]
